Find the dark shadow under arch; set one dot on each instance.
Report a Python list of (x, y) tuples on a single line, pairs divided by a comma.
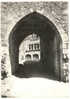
[(36, 56), (50, 44), (28, 57)]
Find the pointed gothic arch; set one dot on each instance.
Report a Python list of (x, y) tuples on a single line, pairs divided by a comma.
[(51, 43)]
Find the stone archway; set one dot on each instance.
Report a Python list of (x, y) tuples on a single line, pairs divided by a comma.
[(50, 41)]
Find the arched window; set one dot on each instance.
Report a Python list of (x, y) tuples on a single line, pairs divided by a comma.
[(35, 57), (28, 57)]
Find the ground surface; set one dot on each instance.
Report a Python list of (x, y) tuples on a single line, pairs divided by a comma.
[(33, 88)]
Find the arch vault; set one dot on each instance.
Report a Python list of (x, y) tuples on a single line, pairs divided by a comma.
[(51, 46)]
